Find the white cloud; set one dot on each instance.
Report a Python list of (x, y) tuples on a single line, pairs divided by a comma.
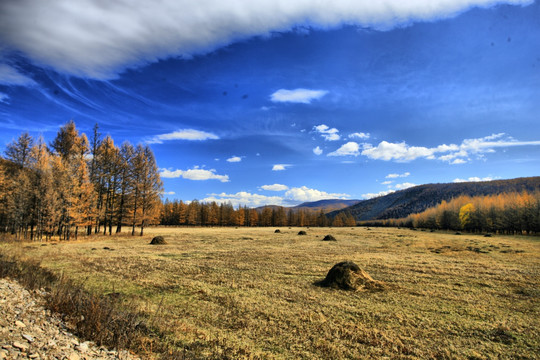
[(387, 182), (392, 151), (304, 96), (100, 39), (168, 193), (280, 167), (394, 176), (275, 187), (329, 134), (244, 198), (305, 194), (404, 186), (359, 135), (184, 134), (349, 149), (4, 98), (454, 154), (11, 76), (317, 151), (194, 174), (473, 179), (235, 159), (374, 195)]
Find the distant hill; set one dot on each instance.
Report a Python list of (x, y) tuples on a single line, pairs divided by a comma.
[(416, 199), (327, 205), (316, 206)]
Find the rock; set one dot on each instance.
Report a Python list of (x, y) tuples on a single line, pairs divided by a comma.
[(27, 330), (82, 347), (20, 346), (74, 356), (20, 324)]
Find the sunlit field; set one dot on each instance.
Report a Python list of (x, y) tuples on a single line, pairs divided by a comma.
[(250, 293)]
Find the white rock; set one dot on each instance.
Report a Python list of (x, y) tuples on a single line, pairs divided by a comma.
[(82, 347)]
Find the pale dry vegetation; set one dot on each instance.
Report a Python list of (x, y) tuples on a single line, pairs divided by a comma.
[(250, 293)]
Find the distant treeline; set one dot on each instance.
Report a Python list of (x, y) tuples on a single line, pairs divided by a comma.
[(212, 214), (72, 183), (507, 213)]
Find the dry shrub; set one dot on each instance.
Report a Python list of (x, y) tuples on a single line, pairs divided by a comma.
[(329, 238), (29, 273), (302, 232), (158, 240), (277, 231), (347, 275), (101, 319)]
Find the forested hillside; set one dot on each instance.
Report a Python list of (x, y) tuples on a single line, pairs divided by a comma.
[(508, 213), (74, 183), (419, 198)]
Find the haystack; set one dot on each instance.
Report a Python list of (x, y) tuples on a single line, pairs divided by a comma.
[(302, 232), (347, 275), (329, 238), (158, 240)]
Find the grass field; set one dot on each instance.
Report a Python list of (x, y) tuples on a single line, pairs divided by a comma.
[(250, 293)]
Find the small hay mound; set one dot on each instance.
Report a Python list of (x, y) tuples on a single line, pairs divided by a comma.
[(158, 240), (329, 238), (302, 232), (277, 231), (347, 275)]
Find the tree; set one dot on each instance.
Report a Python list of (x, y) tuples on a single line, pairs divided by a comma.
[(466, 216), (19, 151), (148, 187), (126, 183)]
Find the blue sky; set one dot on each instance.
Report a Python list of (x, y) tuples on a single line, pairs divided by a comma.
[(281, 102)]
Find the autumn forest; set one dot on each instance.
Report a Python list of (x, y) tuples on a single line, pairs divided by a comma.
[(75, 185)]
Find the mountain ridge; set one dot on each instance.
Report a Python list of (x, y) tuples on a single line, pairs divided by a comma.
[(402, 203)]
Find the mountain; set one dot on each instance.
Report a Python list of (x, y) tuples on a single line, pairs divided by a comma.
[(326, 205), (416, 199), (315, 206)]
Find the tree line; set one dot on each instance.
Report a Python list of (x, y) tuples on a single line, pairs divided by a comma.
[(506, 213), (197, 213), (73, 184)]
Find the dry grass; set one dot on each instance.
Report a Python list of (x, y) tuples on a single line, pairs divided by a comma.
[(249, 293)]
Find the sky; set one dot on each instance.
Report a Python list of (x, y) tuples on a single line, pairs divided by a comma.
[(284, 101)]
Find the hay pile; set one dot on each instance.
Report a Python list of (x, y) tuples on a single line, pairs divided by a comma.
[(158, 240), (347, 275), (329, 238), (302, 232)]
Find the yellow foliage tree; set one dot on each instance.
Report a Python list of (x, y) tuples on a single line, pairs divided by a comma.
[(465, 215)]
